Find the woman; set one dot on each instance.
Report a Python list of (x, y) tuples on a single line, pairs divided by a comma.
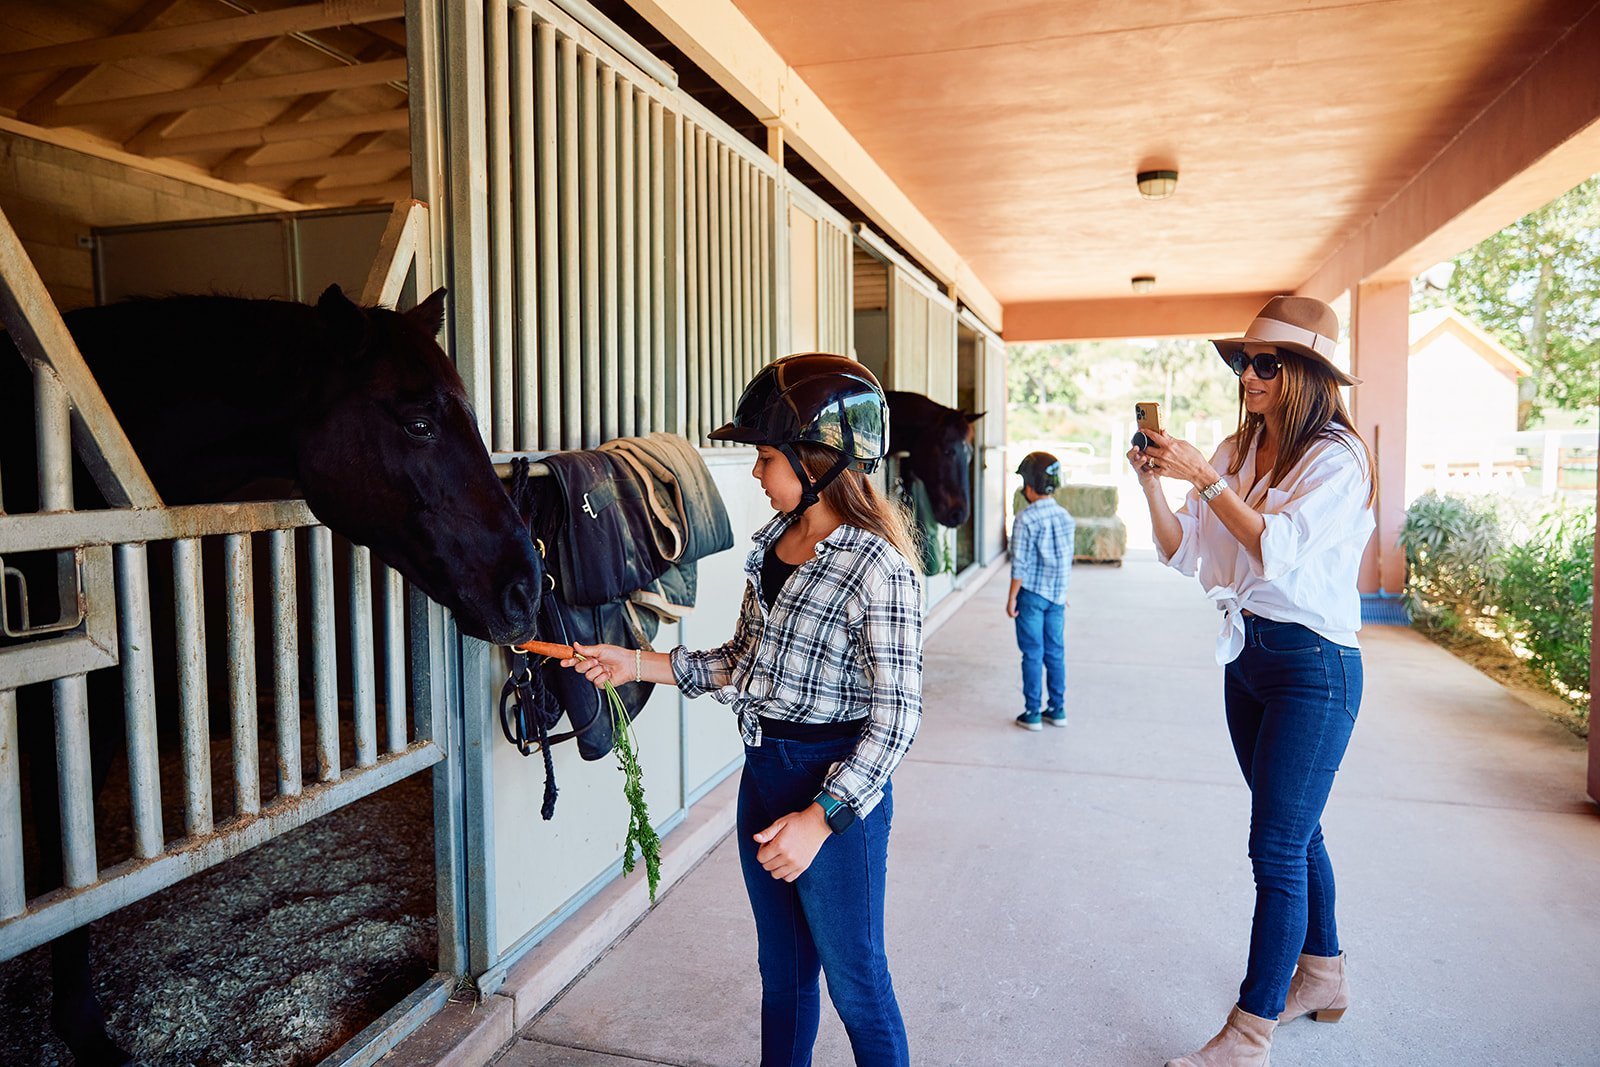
[(1275, 526), (825, 673)]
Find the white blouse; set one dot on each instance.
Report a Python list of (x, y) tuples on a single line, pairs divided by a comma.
[(1318, 523)]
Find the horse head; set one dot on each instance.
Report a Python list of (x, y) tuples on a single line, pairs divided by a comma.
[(941, 458), (390, 456)]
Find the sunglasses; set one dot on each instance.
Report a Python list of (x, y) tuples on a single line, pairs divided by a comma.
[(1265, 364)]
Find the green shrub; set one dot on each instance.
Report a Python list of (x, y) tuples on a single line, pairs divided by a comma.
[(1453, 549), (1546, 595)]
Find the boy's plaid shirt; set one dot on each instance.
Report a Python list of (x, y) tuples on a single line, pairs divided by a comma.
[(1042, 548), (843, 640)]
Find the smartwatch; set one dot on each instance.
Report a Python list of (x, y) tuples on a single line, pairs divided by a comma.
[(836, 812)]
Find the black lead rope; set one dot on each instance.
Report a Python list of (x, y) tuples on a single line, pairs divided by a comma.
[(526, 689)]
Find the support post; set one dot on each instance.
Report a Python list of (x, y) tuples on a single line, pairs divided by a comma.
[(1594, 669), (1380, 347)]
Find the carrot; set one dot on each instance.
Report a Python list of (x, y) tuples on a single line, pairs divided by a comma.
[(547, 648)]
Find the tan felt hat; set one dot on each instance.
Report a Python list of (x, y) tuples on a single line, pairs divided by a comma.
[(1299, 324)]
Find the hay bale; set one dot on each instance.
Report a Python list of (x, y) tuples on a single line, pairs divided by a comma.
[(1088, 501), (1100, 539), (1081, 501)]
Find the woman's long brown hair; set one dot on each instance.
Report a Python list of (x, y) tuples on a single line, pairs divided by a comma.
[(1313, 410), (857, 502)]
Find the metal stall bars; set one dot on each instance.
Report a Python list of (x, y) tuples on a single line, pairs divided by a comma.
[(583, 222), (922, 327), (602, 179), (820, 274), (114, 541), (732, 211)]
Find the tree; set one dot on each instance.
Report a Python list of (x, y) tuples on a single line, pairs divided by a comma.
[(1536, 286)]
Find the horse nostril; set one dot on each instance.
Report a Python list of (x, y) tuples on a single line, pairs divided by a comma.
[(520, 600)]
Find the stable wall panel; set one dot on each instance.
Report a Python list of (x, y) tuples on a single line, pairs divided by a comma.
[(711, 731), (540, 866)]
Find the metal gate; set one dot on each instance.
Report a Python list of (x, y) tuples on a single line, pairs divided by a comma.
[(102, 567)]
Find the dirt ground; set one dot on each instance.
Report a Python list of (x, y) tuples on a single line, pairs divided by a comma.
[(1493, 658), (275, 957)]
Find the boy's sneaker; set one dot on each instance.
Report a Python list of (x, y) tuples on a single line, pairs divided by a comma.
[(1056, 716), (1028, 720)]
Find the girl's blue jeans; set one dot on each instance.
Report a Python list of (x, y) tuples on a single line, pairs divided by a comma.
[(1292, 698), (1039, 636), (830, 919)]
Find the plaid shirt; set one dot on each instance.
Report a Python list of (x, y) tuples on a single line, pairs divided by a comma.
[(1042, 548), (842, 640)]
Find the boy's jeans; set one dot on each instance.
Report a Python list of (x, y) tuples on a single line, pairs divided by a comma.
[(1039, 636)]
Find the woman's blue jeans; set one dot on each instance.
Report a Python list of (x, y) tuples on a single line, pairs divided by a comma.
[(830, 919), (1041, 641), (1292, 698)]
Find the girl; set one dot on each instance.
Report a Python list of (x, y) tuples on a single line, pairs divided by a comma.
[(824, 671), (1277, 542)]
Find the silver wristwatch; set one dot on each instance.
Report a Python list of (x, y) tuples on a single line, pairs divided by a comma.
[(1214, 490)]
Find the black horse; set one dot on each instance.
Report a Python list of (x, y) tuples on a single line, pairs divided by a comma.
[(359, 409), (939, 440)]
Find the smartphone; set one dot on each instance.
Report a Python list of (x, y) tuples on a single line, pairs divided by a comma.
[(1147, 415)]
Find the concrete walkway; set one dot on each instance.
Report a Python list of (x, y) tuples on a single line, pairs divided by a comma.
[(1082, 896)]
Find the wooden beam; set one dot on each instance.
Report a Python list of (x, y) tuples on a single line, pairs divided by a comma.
[(88, 144), (396, 250), (201, 34), (365, 163), (68, 80), (224, 70), (237, 92), (255, 136), (1538, 138), (393, 33), (306, 188), (300, 108), (36, 327), (1202, 315), (351, 194)]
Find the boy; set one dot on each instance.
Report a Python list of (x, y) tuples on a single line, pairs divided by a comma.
[(1042, 539)]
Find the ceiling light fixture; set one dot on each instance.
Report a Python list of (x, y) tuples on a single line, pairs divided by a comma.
[(1143, 283), (1157, 184)]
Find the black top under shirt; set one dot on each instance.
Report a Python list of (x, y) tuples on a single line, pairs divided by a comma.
[(774, 573)]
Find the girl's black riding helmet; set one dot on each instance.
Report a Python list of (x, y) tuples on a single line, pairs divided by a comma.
[(814, 398)]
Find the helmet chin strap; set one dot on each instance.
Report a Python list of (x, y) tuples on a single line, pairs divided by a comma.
[(811, 492)]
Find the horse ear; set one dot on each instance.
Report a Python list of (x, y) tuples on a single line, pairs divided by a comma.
[(430, 313), (346, 320), (974, 416)]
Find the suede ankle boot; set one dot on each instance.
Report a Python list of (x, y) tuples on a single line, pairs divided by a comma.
[(1245, 1041), (1320, 988)]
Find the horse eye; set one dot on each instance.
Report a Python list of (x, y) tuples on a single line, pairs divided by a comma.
[(421, 429)]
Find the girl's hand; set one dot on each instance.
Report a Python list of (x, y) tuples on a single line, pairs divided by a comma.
[(602, 663), (789, 845), (1173, 457)]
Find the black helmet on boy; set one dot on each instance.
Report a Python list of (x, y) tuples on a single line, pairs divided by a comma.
[(1040, 472), (814, 398)]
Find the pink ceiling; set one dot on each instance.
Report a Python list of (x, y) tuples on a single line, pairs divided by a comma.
[(1017, 127)]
